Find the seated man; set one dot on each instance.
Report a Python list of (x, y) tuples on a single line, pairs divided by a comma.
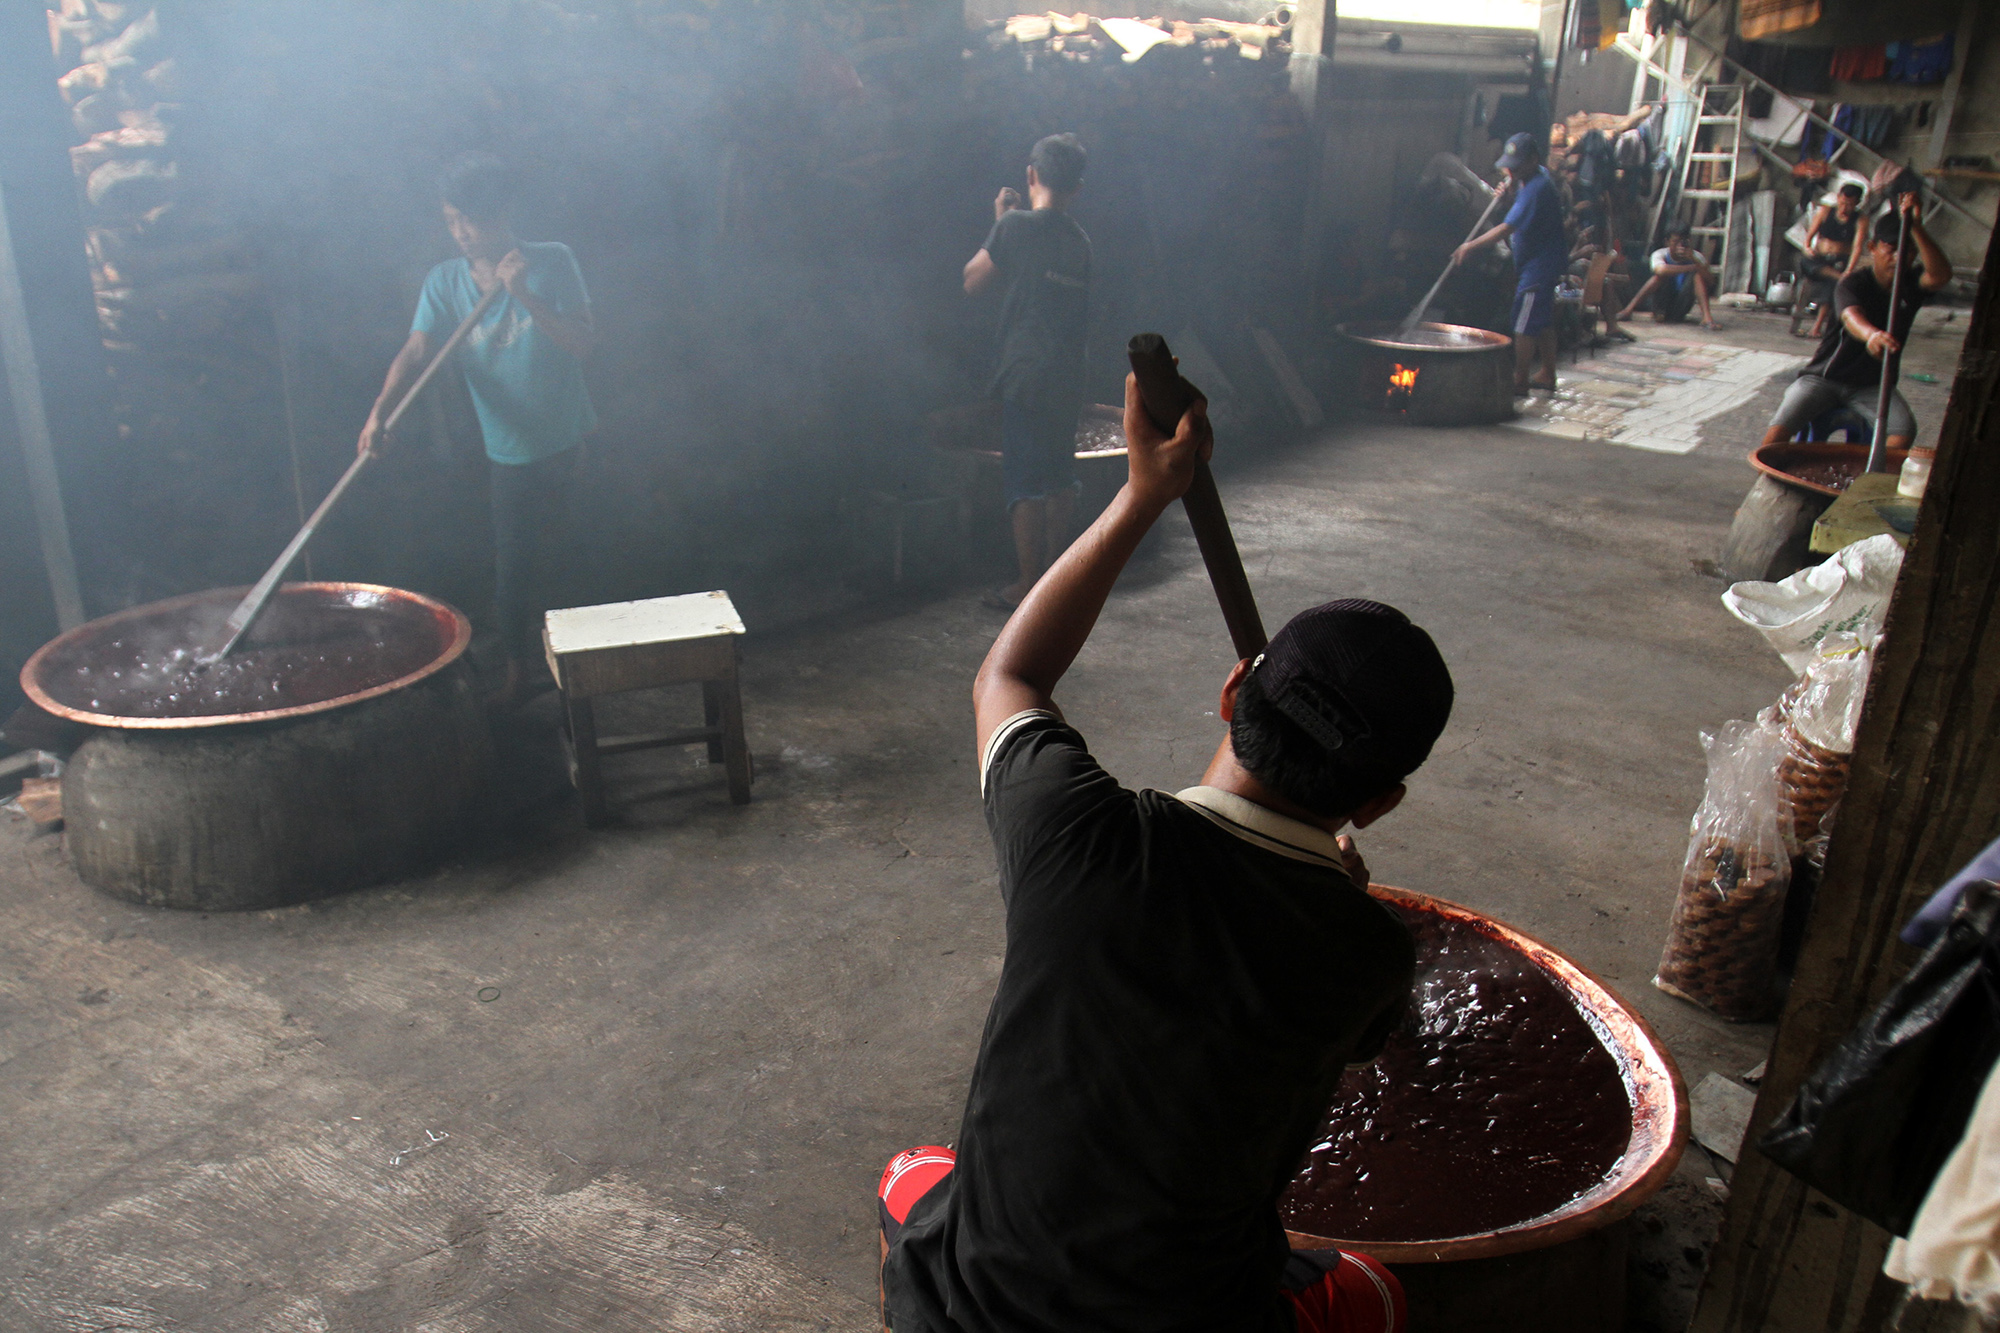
[(1847, 367), (1681, 280), (1830, 250), (1595, 259), (1186, 978)]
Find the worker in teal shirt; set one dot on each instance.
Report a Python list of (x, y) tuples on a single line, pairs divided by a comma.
[(523, 363), (1535, 223)]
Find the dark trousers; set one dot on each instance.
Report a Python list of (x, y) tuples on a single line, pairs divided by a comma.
[(530, 505)]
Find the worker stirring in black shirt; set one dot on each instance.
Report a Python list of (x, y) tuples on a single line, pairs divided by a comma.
[(1847, 368), (1186, 977), (1041, 259)]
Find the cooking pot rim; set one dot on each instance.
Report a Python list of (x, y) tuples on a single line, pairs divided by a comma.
[(1382, 334), (460, 636), (1652, 1080)]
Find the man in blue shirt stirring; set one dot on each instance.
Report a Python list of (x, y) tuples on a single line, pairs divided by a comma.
[(524, 366), (1536, 225)]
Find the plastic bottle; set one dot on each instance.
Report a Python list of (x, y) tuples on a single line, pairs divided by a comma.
[(1916, 473)]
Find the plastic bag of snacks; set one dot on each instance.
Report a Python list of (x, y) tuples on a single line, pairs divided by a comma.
[(1819, 715), (1722, 941)]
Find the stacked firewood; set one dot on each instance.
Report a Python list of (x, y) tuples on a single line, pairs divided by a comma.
[(1085, 39), (180, 301), (163, 273)]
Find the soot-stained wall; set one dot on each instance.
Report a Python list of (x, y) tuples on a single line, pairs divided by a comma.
[(771, 204), (756, 195)]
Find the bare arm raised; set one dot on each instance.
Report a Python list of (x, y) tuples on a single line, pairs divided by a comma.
[(1049, 628)]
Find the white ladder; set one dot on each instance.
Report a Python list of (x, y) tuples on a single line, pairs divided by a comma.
[(1708, 173)]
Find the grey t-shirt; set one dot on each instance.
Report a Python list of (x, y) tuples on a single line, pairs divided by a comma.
[(1044, 262)]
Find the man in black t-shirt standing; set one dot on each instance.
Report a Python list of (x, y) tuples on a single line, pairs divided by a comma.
[(1186, 978), (1041, 259), (1847, 368)]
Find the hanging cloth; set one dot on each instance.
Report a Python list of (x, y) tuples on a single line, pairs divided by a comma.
[(1757, 19), (1610, 22), (1929, 923), (1928, 61), (1859, 64), (1953, 1250), (1874, 125)]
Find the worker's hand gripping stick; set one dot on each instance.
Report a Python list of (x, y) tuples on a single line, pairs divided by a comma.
[(1167, 396), (253, 604)]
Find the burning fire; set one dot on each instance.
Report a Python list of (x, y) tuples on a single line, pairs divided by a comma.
[(1402, 384)]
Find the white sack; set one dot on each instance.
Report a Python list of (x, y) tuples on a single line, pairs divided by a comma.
[(1847, 593)]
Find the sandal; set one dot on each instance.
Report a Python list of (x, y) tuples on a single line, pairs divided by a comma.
[(1621, 336)]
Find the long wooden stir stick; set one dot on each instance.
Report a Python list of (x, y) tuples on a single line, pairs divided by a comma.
[(253, 604), (1167, 395), (1416, 314)]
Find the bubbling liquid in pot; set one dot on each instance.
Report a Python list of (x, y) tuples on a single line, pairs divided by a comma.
[(307, 649), (1495, 1103)]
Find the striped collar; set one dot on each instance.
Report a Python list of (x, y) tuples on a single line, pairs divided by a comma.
[(1263, 827)]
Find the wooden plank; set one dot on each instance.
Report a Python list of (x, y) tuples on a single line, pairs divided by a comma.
[(584, 760), (1862, 511), (656, 740), (41, 800), (642, 666), (1923, 798)]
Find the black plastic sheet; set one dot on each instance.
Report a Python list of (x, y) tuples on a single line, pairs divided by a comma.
[(1874, 1123)]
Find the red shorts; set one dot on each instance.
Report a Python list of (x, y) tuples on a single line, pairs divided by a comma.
[(1331, 1291)]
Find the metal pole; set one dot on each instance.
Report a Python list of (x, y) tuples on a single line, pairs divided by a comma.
[(24, 388), (1878, 443)]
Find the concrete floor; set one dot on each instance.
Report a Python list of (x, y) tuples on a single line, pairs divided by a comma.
[(646, 1078)]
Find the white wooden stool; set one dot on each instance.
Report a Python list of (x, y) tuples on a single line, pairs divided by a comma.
[(620, 646)]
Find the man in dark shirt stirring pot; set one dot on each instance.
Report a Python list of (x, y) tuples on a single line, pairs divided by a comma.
[(1847, 368), (1186, 977), (1041, 258)]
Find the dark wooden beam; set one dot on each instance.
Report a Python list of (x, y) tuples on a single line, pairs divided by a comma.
[(1923, 798)]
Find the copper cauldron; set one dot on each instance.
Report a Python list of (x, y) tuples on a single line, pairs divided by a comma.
[(360, 768), (1564, 1271)]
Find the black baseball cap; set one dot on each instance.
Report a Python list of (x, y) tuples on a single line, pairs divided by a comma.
[(1521, 149), (1361, 680)]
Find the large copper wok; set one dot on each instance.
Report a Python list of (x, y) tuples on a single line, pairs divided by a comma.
[(1652, 1083), (429, 634)]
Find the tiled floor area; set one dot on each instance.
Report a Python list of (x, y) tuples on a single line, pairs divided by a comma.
[(1654, 393)]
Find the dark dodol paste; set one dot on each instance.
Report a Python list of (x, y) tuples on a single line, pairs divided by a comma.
[(305, 650), (1495, 1103)]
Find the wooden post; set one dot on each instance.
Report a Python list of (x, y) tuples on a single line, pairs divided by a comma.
[(1961, 52), (24, 388), (1313, 28), (48, 323), (1923, 798)]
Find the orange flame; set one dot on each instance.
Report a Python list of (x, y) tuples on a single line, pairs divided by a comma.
[(1402, 384)]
